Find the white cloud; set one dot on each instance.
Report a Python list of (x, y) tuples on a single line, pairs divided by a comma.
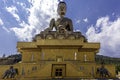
[(85, 20), (108, 34), (40, 13), (4, 1), (3, 27), (23, 5), (78, 21), (13, 10), (61, 0), (113, 14), (1, 22), (6, 29), (24, 33)]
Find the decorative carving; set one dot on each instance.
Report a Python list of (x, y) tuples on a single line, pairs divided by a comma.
[(49, 36), (71, 37), (10, 73), (102, 71), (61, 36)]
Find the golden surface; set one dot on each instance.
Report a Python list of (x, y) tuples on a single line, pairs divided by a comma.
[(41, 58)]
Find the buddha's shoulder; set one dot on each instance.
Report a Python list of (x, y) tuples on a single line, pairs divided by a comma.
[(67, 19)]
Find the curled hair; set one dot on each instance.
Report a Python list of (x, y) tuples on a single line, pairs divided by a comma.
[(61, 2)]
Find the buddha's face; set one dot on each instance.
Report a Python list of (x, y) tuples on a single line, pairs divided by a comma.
[(61, 9)]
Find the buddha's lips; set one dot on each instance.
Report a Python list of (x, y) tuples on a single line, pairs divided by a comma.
[(62, 13)]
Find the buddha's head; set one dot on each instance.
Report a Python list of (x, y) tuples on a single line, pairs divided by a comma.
[(62, 9)]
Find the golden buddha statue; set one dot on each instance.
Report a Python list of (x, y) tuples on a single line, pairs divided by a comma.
[(62, 24)]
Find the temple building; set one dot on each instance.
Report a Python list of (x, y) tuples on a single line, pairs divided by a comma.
[(62, 54)]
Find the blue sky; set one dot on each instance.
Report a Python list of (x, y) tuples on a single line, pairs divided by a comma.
[(98, 20)]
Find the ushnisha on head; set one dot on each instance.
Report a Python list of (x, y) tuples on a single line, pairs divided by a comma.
[(62, 7)]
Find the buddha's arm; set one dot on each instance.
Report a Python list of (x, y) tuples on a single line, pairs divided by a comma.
[(52, 24), (71, 25)]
